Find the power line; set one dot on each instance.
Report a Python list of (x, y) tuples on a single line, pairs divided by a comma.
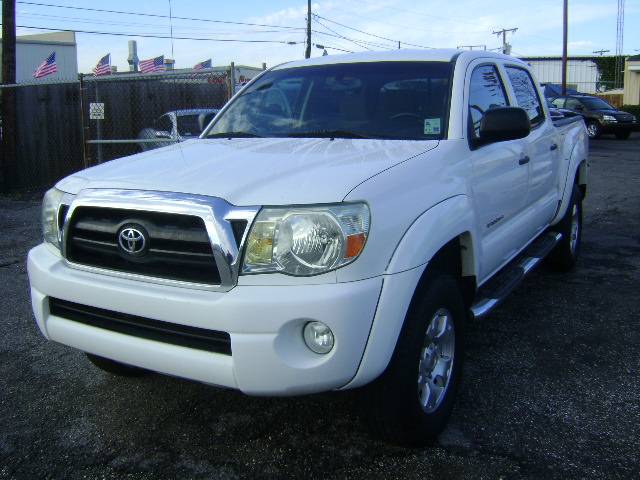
[(154, 15), (121, 34), (355, 29), (371, 34), (366, 42), (153, 25), (341, 36)]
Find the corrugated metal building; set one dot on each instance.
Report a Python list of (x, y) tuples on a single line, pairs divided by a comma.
[(582, 72), (31, 51)]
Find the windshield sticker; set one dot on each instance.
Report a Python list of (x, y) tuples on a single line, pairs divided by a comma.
[(432, 126)]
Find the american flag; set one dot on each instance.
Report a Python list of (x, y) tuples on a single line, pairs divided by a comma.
[(202, 65), (152, 65), (104, 66), (47, 67)]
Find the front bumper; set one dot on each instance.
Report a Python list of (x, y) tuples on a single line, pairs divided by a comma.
[(265, 325)]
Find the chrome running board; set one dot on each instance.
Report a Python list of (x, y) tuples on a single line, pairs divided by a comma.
[(491, 294)]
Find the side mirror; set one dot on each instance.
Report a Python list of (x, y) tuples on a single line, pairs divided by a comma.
[(502, 124), (162, 134), (579, 108)]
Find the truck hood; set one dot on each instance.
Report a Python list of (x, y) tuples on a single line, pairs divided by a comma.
[(253, 171)]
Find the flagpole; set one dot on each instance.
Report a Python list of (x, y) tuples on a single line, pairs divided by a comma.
[(171, 28)]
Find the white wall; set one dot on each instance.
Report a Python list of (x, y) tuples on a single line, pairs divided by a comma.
[(31, 54), (581, 73)]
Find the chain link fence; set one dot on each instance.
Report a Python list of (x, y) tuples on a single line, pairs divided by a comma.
[(63, 127), (46, 140), (131, 113)]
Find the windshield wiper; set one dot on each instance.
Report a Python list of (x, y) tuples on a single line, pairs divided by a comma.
[(326, 134), (233, 135)]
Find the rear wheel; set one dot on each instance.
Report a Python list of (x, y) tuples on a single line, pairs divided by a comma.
[(593, 129), (623, 135), (412, 400), (563, 258), (116, 368)]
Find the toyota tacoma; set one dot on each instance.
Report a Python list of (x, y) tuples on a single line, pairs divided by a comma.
[(334, 227)]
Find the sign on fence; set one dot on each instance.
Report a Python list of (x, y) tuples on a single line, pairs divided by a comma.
[(96, 111)]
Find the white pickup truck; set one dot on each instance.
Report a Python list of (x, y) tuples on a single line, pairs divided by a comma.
[(334, 227)]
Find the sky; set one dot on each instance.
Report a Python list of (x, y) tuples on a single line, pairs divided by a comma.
[(439, 24)]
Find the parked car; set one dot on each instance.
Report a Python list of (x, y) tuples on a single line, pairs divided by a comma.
[(600, 116), (560, 113), (335, 227), (177, 126)]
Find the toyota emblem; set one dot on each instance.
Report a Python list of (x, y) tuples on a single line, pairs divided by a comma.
[(132, 240)]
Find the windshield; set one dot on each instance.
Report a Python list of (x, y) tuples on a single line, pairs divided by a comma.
[(395, 100), (593, 103), (190, 125)]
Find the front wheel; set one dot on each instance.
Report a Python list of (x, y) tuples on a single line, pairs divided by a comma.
[(593, 129), (412, 400)]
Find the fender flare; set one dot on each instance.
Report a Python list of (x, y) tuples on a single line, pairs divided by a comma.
[(578, 168), (431, 231)]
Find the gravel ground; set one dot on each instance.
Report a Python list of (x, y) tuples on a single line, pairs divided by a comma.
[(550, 385)]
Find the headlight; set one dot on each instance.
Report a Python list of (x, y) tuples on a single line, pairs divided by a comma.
[(306, 241), (609, 118), (50, 206)]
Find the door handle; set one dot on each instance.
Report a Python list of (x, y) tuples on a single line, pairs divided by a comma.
[(554, 146), (523, 161)]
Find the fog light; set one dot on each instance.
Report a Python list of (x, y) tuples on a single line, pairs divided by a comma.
[(318, 337)]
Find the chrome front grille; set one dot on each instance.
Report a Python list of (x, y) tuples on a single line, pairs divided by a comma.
[(189, 240), (178, 245)]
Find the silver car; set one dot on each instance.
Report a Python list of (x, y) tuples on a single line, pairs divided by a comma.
[(177, 125)]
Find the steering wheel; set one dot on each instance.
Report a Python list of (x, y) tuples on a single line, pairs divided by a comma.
[(406, 114)]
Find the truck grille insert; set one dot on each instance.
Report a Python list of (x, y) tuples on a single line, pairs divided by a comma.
[(176, 247), (165, 332)]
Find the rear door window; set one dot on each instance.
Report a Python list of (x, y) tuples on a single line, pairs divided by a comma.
[(526, 94)]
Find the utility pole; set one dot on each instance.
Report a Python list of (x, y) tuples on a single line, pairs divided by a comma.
[(601, 52), (565, 36), (8, 159), (398, 44), (506, 48), (307, 53)]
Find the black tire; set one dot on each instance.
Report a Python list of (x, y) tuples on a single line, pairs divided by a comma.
[(116, 368), (623, 135), (594, 130), (391, 403), (565, 255)]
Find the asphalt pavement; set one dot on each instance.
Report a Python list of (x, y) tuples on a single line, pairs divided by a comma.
[(550, 388)]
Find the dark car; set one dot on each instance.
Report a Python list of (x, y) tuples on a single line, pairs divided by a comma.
[(599, 116), (559, 113)]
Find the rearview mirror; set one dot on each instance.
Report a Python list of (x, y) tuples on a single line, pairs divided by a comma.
[(504, 123)]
